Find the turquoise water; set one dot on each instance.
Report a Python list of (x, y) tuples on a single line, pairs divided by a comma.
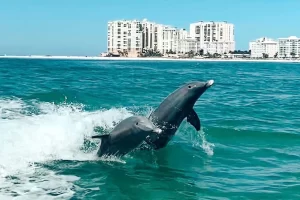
[(248, 148)]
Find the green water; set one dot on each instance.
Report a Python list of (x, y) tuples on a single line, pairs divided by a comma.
[(248, 148)]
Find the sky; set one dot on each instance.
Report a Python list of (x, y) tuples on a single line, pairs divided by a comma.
[(77, 27)]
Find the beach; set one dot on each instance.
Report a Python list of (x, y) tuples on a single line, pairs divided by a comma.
[(149, 59)]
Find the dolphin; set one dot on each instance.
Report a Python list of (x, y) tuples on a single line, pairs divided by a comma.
[(126, 136), (174, 109)]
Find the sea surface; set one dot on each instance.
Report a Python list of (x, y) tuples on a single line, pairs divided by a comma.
[(248, 148)]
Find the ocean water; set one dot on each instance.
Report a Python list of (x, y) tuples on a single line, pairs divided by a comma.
[(248, 148)]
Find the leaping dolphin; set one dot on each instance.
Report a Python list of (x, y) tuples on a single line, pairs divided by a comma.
[(176, 107)]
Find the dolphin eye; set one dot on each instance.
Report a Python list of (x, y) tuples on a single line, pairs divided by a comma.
[(137, 123), (190, 86)]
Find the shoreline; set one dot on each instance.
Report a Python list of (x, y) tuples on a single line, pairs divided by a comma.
[(147, 59)]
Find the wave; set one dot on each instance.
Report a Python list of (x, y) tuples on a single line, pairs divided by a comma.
[(34, 132)]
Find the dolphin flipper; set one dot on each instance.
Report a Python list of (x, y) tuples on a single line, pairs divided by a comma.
[(194, 120)]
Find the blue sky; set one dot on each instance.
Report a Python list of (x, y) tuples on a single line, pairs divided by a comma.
[(77, 27)]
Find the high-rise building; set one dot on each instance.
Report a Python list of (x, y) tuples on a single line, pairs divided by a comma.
[(124, 35), (263, 46), (289, 47), (213, 37), (134, 36)]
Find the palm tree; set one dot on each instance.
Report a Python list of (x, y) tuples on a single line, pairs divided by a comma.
[(125, 52), (120, 53), (293, 54), (191, 54), (201, 52), (216, 55), (265, 55)]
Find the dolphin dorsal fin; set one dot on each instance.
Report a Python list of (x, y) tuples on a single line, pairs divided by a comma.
[(100, 136), (104, 140), (194, 120), (104, 145)]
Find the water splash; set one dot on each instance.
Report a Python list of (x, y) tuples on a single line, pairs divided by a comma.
[(206, 146), (199, 140), (52, 132)]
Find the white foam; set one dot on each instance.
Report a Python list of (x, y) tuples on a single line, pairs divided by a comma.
[(207, 146), (201, 141), (55, 133)]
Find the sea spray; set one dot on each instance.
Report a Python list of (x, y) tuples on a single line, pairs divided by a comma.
[(206, 146), (196, 138), (58, 132)]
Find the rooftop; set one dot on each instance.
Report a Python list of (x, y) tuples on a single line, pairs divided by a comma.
[(211, 22), (265, 40), (290, 38)]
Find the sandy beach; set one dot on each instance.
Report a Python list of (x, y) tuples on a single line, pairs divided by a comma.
[(146, 59)]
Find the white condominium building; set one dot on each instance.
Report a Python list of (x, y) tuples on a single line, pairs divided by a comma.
[(263, 46), (124, 35), (289, 47), (213, 37), (186, 45), (133, 36), (168, 37)]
